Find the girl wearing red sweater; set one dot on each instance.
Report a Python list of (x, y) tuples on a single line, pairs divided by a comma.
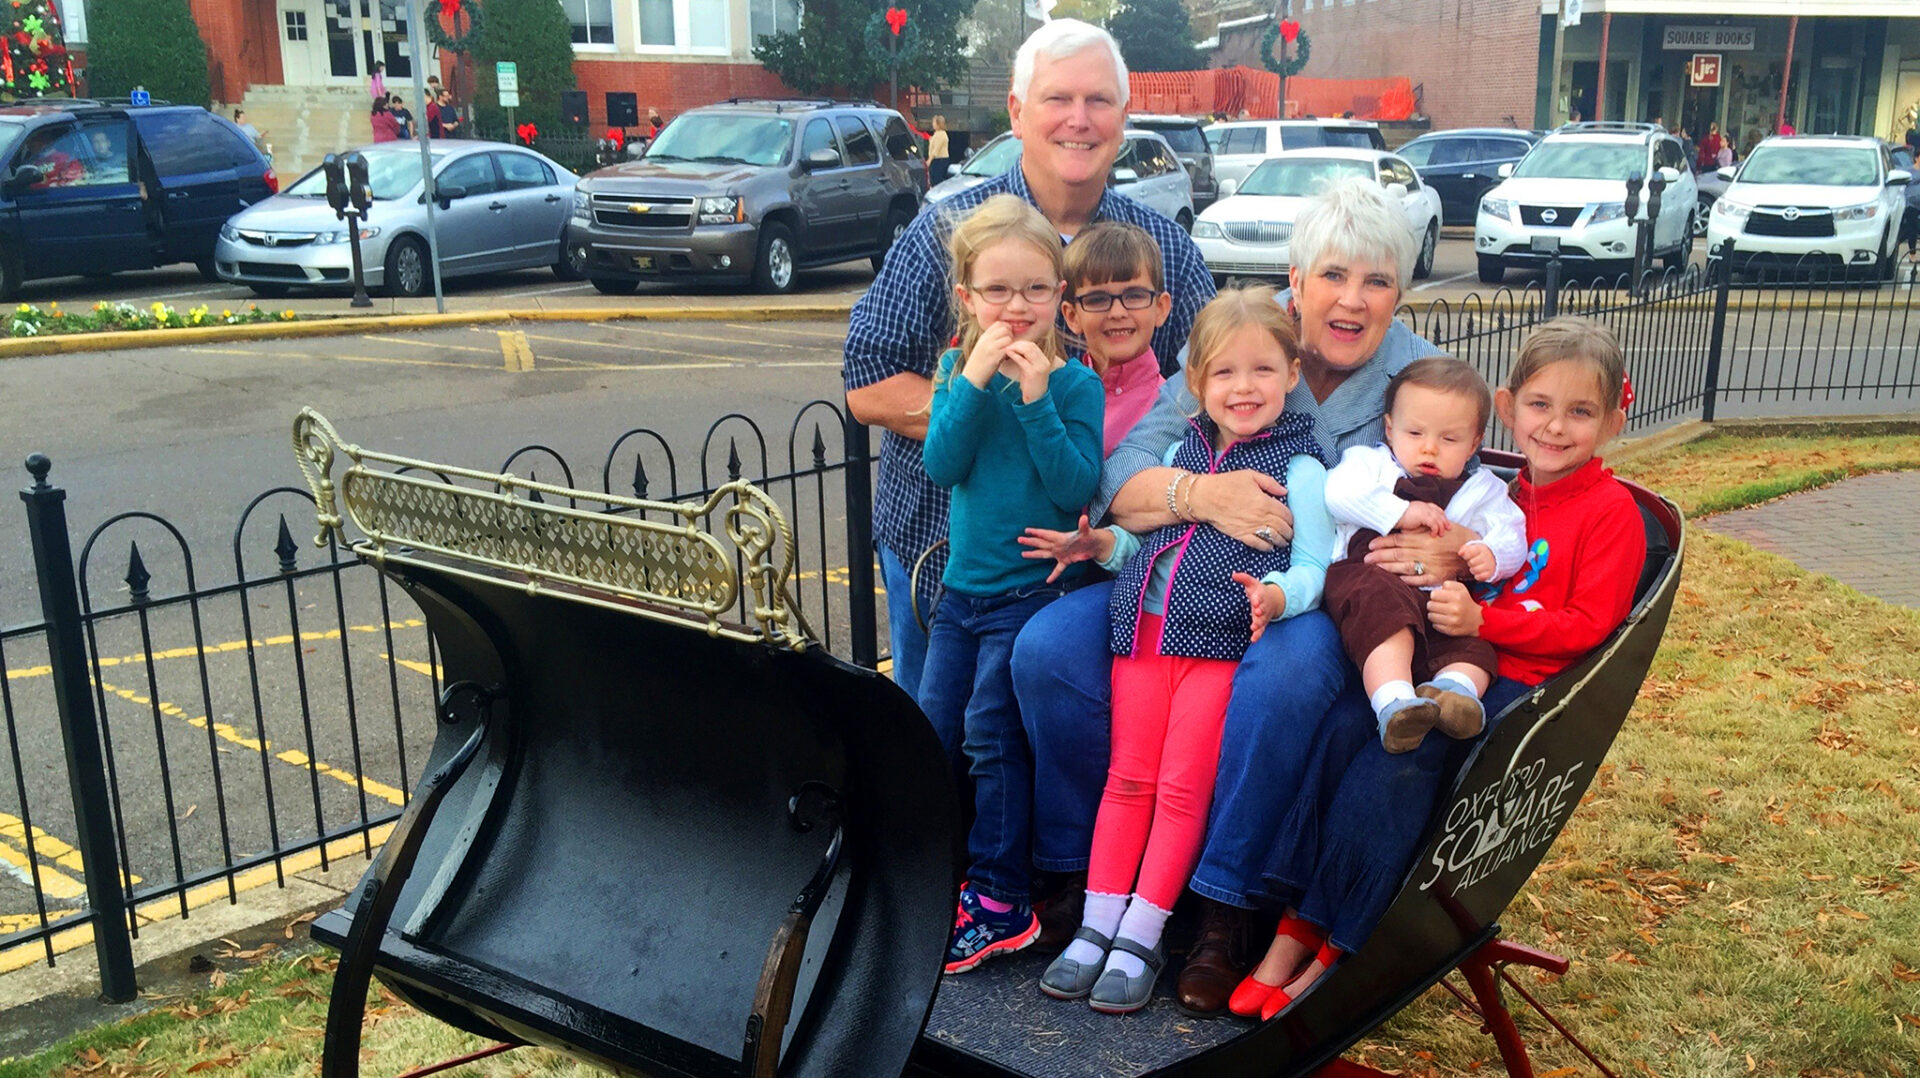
[(1566, 398)]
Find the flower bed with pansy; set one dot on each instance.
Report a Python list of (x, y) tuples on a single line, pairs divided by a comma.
[(26, 320)]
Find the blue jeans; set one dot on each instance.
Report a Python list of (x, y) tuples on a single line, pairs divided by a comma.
[(967, 692), (1352, 834), (907, 640), (1062, 672)]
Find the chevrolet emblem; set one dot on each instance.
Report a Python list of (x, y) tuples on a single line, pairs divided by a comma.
[(638, 207)]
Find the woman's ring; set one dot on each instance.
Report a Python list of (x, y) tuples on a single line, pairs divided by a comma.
[(1266, 535), (1419, 568)]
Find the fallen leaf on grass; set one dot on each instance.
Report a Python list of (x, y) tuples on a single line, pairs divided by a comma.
[(1561, 1072), (300, 920)]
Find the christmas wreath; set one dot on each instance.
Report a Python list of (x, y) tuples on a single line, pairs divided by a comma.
[(891, 38), (1289, 31), (451, 10)]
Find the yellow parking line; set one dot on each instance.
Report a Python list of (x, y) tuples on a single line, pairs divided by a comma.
[(387, 359), (107, 661), (586, 364), (228, 351), (21, 922), (514, 348), (418, 667), (433, 345), (789, 329), (295, 757), (637, 348), (655, 331), (168, 907), (14, 831)]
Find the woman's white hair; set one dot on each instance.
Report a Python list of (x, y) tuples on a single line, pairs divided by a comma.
[(1058, 40), (1354, 218)]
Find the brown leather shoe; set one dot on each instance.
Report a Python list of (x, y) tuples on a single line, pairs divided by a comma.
[(1218, 960), (1061, 910)]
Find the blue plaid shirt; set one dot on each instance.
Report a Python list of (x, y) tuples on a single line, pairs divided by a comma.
[(905, 322)]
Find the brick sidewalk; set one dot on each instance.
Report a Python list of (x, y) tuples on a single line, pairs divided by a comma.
[(1863, 532)]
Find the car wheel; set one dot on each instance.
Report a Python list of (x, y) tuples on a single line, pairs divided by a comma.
[(207, 271), (1702, 213), (1429, 250), (615, 286), (407, 273), (773, 268), (897, 222), (1185, 221), (1492, 270), (269, 291), (573, 262), (1682, 254)]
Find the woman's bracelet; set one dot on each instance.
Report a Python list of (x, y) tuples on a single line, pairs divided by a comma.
[(1193, 480), (1173, 496)]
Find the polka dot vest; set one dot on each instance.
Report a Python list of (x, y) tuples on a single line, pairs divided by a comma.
[(1207, 615)]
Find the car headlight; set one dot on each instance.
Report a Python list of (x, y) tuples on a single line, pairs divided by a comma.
[(1501, 208), (1207, 230), (1607, 211), (582, 204), (1862, 212), (340, 235), (228, 232), (1731, 210), (721, 210)]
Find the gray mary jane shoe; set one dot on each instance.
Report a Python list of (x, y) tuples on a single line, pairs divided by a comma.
[(1067, 979), (1117, 993)]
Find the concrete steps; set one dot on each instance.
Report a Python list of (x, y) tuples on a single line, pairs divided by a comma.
[(305, 123)]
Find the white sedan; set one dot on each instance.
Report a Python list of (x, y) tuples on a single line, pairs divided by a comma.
[(1249, 233)]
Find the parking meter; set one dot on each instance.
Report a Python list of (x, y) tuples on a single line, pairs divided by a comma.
[(359, 189), (1634, 183), (337, 196)]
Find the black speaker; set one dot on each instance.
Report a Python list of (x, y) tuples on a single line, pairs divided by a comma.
[(573, 107), (623, 109)]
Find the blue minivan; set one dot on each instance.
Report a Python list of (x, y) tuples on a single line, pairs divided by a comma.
[(93, 187)]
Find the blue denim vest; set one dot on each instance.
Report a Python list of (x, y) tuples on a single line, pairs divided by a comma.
[(1206, 615)]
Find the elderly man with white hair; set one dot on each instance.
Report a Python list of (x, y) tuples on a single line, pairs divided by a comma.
[(1068, 106)]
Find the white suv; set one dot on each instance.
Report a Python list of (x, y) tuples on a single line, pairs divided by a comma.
[(1831, 201), (1572, 186)]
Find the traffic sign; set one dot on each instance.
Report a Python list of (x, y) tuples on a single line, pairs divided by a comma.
[(507, 74), (140, 97)]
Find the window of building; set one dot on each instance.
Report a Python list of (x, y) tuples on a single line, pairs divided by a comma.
[(592, 21), (296, 25), (773, 17), (73, 22), (683, 26)]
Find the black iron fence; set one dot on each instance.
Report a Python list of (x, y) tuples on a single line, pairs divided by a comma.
[(213, 737)]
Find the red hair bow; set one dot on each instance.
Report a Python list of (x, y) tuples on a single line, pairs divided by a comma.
[(1626, 393)]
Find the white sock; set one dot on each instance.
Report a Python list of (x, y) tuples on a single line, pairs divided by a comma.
[(1142, 924), (1103, 916), (1459, 683), (1391, 691)]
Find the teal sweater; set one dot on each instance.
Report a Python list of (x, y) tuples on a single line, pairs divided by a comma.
[(1012, 466)]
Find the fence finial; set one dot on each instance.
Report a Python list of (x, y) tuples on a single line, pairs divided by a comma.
[(38, 465)]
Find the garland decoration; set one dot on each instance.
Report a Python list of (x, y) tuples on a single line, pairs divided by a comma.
[(465, 31), (33, 54), (891, 38), (1287, 30)]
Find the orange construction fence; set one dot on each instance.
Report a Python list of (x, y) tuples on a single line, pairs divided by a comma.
[(1234, 89)]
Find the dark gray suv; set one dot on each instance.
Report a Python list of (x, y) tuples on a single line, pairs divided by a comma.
[(751, 190)]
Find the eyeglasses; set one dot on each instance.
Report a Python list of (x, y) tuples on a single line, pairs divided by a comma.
[(1133, 299), (1036, 293)]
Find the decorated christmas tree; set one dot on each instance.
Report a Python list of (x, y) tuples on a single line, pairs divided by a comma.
[(35, 63)]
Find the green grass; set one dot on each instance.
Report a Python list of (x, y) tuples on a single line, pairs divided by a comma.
[(1736, 890)]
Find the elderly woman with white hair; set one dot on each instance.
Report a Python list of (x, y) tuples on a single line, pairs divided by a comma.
[(1295, 692)]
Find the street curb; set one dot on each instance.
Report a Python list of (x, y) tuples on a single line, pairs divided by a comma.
[(346, 326)]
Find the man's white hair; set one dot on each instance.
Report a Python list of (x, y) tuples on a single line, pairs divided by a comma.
[(1354, 218), (1058, 40)]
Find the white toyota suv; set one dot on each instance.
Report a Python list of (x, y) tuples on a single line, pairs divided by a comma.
[(1831, 202), (1572, 187)]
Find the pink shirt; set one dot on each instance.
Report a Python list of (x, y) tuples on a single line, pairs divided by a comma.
[(1131, 389)]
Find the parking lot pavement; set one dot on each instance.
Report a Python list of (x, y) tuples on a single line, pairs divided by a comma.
[(1863, 532)]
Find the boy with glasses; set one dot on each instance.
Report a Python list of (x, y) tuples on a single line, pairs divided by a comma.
[(1116, 298)]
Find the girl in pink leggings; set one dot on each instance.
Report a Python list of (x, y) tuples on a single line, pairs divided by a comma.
[(1187, 601)]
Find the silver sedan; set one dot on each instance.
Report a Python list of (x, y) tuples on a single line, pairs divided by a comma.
[(501, 207)]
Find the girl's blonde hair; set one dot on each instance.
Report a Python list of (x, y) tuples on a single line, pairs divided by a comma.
[(1225, 314), (1001, 219), (1582, 340)]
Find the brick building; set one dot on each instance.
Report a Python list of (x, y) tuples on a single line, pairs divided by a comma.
[(1855, 64), (674, 54)]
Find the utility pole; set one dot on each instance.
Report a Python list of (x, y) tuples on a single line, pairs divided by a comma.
[(1559, 50)]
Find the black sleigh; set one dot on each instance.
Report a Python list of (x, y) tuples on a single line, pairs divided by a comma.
[(673, 844)]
